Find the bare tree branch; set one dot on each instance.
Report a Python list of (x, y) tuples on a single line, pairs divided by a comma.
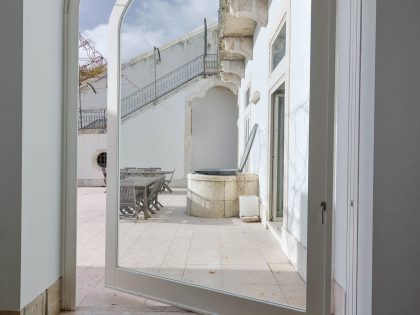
[(92, 63)]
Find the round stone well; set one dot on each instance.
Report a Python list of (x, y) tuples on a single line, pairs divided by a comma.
[(213, 196)]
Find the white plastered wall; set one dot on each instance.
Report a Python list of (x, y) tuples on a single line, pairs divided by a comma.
[(89, 145), (11, 153), (136, 74), (396, 169), (158, 136), (296, 77), (214, 130), (342, 104), (42, 98), (139, 71)]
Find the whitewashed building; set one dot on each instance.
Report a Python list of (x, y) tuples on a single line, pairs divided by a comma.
[(265, 52), (188, 100)]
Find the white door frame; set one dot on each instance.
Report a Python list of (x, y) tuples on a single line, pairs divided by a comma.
[(273, 128), (322, 51), (69, 153)]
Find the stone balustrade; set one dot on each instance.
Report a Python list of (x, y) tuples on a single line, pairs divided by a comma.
[(234, 66), (256, 10)]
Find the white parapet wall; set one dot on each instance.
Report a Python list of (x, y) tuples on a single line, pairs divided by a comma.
[(89, 146)]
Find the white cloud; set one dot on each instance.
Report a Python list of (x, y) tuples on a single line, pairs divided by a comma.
[(99, 35), (154, 23)]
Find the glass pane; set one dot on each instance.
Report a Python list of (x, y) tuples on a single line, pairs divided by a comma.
[(278, 49), (178, 116), (247, 96), (280, 153)]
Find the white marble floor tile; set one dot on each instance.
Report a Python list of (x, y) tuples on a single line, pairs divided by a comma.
[(247, 275), (295, 294), (286, 274), (206, 275), (242, 258), (271, 293)]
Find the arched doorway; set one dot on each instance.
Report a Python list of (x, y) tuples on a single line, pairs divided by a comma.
[(214, 130)]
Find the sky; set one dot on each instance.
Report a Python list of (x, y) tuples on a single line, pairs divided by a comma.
[(148, 23)]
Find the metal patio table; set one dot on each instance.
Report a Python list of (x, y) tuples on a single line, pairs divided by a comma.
[(142, 184), (141, 172)]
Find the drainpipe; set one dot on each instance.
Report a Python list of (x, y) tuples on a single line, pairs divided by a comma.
[(80, 107), (205, 47), (156, 50), (80, 102)]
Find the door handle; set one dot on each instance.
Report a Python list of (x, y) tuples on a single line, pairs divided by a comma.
[(323, 210)]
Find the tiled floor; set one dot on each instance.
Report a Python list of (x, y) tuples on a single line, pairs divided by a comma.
[(227, 254), (92, 297)]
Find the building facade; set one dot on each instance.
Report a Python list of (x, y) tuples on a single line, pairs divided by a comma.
[(268, 58), (170, 99)]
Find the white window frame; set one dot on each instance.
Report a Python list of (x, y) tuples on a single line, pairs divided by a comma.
[(247, 96), (273, 39), (272, 216)]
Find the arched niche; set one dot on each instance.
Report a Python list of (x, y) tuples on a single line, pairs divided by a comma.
[(209, 107)]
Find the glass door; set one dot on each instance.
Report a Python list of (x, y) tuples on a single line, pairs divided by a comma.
[(179, 237), (278, 152)]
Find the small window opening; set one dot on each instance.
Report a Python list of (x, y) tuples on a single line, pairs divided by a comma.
[(247, 96), (278, 49), (101, 160)]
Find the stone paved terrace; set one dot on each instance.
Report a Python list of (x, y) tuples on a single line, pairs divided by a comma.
[(227, 254)]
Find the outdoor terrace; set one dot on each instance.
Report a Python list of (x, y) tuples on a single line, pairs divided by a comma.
[(225, 254)]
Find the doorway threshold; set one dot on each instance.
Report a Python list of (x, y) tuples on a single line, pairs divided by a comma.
[(276, 228), (132, 310)]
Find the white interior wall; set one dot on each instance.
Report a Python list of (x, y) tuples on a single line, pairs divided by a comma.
[(11, 23), (41, 145), (214, 130), (396, 190)]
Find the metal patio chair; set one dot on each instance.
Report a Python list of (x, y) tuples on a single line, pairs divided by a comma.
[(153, 193), (129, 209), (168, 179), (160, 183)]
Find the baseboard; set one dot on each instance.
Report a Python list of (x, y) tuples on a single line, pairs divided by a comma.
[(339, 299), (47, 303), (292, 248), (91, 182), (176, 183)]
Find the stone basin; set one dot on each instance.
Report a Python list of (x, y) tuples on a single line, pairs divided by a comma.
[(211, 196)]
